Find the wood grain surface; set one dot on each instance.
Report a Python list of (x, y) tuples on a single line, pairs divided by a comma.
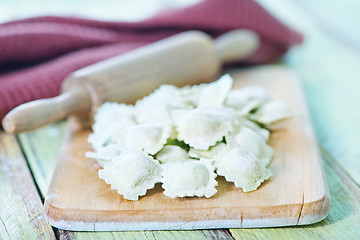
[(296, 194), (21, 214), (341, 223), (323, 76)]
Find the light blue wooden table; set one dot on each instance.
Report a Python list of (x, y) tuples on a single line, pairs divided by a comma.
[(328, 64)]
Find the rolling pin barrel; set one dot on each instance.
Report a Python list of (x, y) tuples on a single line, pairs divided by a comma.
[(187, 58)]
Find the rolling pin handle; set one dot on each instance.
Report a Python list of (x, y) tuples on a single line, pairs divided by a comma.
[(35, 114), (236, 45)]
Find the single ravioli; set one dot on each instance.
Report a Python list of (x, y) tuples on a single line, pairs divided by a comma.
[(247, 98), (271, 112), (208, 154), (204, 126), (215, 93), (188, 179), (131, 174), (153, 108), (105, 154), (191, 93), (242, 168), (112, 114), (251, 141), (149, 138), (110, 121), (172, 153), (265, 133), (109, 136)]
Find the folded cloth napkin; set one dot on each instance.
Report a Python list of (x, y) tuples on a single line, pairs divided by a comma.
[(36, 54)]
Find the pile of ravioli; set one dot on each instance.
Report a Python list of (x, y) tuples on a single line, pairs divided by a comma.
[(185, 137)]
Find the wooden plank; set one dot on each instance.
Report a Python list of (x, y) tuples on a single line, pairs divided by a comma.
[(42, 162), (41, 148), (204, 234), (79, 200), (342, 222), (147, 235), (329, 70), (21, 211)]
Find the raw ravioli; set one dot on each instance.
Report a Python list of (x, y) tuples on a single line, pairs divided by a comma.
[(204, 126), (188, 179), (265, 133), (105, 154), (253, 142), (191, 132), (113, 114), (131, 174), (149, 138), (110, 121), (271, 112), (242, 168), (172, 153), (153, 108), (215, 93), (247, 98), (208, 154)]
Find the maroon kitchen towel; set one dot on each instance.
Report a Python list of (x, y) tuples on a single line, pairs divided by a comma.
[(36, 54)]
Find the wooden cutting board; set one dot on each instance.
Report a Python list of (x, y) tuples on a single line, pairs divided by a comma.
[(296, 194)]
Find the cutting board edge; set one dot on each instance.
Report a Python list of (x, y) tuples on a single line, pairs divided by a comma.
[(158, 226), (311, 212), (315, 211)]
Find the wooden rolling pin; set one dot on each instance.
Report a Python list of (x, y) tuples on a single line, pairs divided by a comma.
[(186, 58)]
